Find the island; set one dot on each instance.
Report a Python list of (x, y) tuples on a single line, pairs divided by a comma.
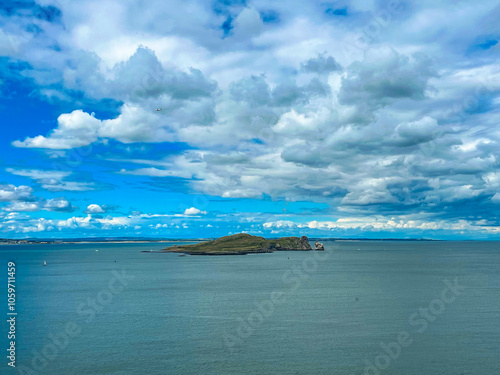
[(242, 244), (319, 246)]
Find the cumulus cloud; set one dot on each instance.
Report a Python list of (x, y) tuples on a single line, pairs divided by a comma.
[(78, 129), (194, 211), (56, 204), (144, 84), (415, 132), (384, 76), (376, 224), (253, 90), (321, 64), (247, 24), (94, 209), (15, 193), (21, 222), (74, 129), (22, 206), (21, 199)]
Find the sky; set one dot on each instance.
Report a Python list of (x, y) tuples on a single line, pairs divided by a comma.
[(363, 118)]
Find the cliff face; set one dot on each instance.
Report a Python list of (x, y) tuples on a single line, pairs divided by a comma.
[(291, 244), (243, 243)]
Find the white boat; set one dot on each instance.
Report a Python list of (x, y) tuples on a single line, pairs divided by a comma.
[(44, 262)]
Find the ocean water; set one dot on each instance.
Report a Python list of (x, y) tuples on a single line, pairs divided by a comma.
[(357, 308)]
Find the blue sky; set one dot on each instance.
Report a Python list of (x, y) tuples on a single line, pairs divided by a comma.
[(356, 118)]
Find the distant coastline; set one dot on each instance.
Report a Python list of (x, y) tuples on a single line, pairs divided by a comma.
[(39, 241), (4, 241)]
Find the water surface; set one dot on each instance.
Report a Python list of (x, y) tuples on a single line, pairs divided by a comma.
[(200, 314)]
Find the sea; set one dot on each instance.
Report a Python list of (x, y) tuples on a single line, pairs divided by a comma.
[(359, 307)]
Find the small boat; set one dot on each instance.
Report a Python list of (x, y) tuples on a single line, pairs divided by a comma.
[(182, 255), (97, 250), (44, 262)]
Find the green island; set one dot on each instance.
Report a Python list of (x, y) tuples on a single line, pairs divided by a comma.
[(241, 244)]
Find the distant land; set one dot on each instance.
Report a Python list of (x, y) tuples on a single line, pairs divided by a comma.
[(242, 244), (45, 241)]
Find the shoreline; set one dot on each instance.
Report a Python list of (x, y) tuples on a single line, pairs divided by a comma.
[(34, 242)]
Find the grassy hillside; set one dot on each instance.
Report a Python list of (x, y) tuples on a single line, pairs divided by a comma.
[(239, 244)]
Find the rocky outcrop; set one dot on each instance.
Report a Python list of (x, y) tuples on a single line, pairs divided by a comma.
[(318, 246), (290, 244), (304, 242)]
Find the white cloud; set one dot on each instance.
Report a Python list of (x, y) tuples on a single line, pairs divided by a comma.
[(194, 211), (56, 204), (94, 209), (15, 193), (74, 129), (52, 180), (78, 129), (321, 64), (248, 23), (419, 131), (36, 174), (380, 223), (16, 222), (68, 186), (22, 207), (154, 172)]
